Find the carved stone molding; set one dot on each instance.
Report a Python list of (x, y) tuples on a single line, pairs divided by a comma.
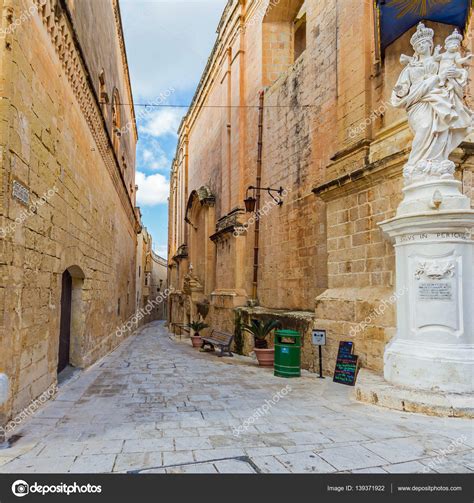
[(181, 253), (427, 170), (206, 197), (435, 269), (57, 22), (123, 52), (228, 223)]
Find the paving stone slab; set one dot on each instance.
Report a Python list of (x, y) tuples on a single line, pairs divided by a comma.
[(154, 401), (351, 457)]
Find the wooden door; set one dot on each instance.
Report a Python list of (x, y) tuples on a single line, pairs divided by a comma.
[(65, 327)]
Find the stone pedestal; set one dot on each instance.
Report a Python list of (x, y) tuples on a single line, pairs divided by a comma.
[(433, 348)]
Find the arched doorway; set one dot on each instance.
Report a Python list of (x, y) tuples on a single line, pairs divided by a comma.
[(65, 323), (72, 322)]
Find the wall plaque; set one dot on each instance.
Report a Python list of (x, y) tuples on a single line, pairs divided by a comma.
[(439, 290), (435, 293), (319, 337), (20, 192)]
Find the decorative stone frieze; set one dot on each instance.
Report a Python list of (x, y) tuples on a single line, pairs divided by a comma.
[(61, 32)]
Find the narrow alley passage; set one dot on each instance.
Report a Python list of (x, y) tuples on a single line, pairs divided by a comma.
[(156, 405)]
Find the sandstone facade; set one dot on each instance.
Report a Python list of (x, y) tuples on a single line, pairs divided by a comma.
[(152, 272), (66, 136), (331, 140)]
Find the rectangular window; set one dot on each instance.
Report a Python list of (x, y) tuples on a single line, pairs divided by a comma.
[(283, 37), (300, 35)]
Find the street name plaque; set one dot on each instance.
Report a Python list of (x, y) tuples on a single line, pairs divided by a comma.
[(20, 192)]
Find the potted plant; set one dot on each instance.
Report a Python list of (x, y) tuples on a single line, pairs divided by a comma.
[(260, 332), (196, 327)]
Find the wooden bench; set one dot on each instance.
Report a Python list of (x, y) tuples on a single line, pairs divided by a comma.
[(222, 340)]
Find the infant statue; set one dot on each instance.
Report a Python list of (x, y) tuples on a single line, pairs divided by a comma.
[(452, 57)]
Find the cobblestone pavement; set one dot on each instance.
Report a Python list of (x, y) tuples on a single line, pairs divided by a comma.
[(159, 406)]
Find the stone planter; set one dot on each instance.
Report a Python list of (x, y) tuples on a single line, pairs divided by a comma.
[(265, 357), (196, 340)]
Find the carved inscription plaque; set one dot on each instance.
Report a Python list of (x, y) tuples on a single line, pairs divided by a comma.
[(436, 290)]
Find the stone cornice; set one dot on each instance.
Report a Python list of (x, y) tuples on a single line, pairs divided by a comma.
[(225, 32), (123, 51), (389, 166), (57, 22), (227, 224)]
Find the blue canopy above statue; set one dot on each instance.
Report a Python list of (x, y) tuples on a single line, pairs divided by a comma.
[(398, 16)]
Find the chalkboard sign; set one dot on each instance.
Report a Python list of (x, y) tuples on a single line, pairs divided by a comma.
[(346, 365), (345, 348)]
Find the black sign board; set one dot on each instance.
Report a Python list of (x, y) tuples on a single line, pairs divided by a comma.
[(345, 348), (346, 365)]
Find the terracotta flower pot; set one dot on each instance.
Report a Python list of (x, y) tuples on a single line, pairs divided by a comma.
[(196, 340), (265, 357)]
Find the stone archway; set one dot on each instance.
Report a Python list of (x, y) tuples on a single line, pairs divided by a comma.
[(200, 216)]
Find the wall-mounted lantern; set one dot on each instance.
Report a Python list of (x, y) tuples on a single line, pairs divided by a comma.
[(251, 201)]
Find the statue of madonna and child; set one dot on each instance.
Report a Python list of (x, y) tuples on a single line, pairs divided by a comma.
[(431, 89)]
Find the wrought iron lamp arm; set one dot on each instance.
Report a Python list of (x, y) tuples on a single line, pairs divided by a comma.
[(250, 201)]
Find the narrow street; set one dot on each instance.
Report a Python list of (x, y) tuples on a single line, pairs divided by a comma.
[(156, 405)]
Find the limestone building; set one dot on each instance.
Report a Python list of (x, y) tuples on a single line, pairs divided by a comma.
[(159, 285), (67, 190), (151, 279), (295, 95), (144, 244)]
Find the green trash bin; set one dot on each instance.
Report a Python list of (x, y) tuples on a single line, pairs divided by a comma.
[(287, 353)]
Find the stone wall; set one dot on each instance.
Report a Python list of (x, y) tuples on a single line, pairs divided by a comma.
[(53, 141), (330, 140)]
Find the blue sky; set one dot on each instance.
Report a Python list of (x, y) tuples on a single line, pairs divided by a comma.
[(168, 43)]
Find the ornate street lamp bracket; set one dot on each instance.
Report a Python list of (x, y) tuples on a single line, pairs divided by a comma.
[(251, 201)]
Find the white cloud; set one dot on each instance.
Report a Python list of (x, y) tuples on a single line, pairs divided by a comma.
[(162, 122), (147, 155), (152, 190), (153, 157)]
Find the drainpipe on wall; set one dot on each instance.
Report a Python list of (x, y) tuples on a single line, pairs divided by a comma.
[(257, 204)]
